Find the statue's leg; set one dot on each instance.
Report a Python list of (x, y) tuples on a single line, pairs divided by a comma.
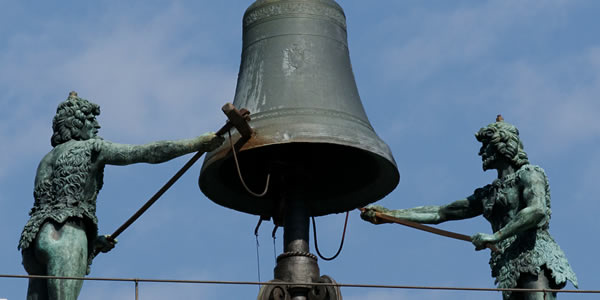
[(63, 249), (37, 289), (540, 281)]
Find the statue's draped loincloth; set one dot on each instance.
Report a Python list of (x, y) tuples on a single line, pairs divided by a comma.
[(60, 216), (530, 252)]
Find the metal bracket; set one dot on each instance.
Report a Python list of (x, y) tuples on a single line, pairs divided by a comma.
[(282, 291), (274, 292)]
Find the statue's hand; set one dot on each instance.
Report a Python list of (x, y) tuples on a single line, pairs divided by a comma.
[(212, 141), (369, 214), (104, 244), (481, 240)]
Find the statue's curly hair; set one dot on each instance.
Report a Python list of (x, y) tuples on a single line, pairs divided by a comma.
[(505, 139), (70, 118)]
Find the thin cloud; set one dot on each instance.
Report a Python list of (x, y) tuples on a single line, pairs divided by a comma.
[(555, 99), (142, 80), (464, 35), (556, 114)]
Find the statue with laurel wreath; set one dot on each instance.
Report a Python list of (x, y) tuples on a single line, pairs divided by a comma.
[(517, 205)]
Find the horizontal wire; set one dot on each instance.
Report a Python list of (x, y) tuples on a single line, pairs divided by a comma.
[(304, 283)]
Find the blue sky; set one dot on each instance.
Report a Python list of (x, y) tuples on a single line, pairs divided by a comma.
[(430, 74)]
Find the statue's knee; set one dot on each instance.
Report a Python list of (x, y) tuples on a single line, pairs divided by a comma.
[(540, 281), (539, 296), (37, 289), (31, 263)]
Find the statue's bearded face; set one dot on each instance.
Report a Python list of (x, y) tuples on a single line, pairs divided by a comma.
[(488, 155), (500, 145), (90, 128), (488, 151)]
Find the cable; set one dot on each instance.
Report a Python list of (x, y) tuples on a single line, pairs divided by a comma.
[(257, 252), (237, 164), (341, 243), (304, 283), (274, 247)]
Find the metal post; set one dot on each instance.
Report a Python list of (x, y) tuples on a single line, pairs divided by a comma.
[(295, 234), (296, 263)]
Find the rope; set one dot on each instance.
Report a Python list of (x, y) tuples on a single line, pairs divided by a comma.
[(257, 253), (341, 243), (274, 247), (237, 164), (446, 288)]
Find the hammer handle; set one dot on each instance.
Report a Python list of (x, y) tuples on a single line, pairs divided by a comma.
[(434, 230), (237, 119), (157, 195)]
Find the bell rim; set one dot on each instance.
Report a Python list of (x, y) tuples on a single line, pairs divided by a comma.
[(220, 194)]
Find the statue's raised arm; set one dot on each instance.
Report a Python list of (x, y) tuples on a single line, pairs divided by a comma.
[(61, 237), (431, 214), (517, 205), (156, 152)]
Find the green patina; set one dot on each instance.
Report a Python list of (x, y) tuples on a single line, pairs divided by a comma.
[(61, 236), (517, 205)]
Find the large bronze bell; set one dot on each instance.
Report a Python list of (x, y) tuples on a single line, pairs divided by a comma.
[(311, 130), (312, 136)]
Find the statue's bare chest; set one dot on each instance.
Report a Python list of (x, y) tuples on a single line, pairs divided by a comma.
[(502, 200)]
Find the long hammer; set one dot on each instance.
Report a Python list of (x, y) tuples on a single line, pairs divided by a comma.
[(434, 230), (237, 118)]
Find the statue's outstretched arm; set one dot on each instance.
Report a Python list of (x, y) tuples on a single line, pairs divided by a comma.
[(530, 216), (156, 152), (433, 214)]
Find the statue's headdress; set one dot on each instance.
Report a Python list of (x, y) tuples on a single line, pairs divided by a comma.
[(505, 138)]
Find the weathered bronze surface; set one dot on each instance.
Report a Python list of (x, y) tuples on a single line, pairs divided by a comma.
[(296, 79), (517, 205), (61, 237), (313, 148)]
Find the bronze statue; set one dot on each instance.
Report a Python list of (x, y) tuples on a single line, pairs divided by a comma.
[(517, 205), (61, 237)]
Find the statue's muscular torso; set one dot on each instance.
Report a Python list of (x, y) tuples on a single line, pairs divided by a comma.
[(504, 198), (531, 251), (70, 176), (66, 185)]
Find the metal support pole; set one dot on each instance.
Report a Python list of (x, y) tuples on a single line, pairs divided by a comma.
[(295, 234), (296, 263)]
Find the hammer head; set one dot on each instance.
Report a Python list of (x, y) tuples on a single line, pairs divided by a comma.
[(238, 119)]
